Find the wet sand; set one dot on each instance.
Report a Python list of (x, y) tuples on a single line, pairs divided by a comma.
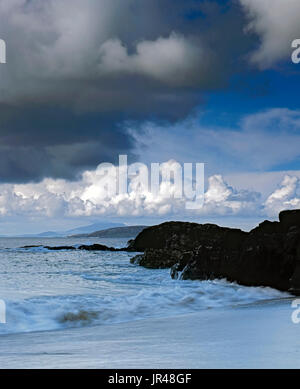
[(260, 335)]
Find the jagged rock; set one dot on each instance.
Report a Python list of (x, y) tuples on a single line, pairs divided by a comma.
[(269, 255), (268, 227)]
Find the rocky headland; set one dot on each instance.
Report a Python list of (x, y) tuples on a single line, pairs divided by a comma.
[(268, 255)]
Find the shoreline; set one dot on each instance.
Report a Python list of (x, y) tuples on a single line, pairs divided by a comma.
[(257, 335)]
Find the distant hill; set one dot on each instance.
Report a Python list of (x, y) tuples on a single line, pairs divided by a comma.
[(93, 227), (79, 230), (116, 232), (47, 234)]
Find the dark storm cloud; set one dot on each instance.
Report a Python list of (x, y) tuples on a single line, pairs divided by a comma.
[(76, 69), (37, 143)]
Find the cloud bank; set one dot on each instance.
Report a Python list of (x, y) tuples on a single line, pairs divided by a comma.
[(77, 69), (89, 196), (85, 54)]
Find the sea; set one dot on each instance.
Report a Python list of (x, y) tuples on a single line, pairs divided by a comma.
[(53, 290)]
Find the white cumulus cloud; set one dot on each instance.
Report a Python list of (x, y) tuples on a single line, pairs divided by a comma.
[(286, 196), (95, 194)]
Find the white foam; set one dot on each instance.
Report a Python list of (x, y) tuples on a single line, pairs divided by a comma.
[(54, 312)]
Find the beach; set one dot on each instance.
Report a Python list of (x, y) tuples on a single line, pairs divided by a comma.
[(259, 335)]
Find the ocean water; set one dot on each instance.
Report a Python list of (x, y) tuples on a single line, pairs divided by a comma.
[(54, 290)]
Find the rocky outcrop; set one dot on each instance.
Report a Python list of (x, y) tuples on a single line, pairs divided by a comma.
[(269, 255), (183, 236)]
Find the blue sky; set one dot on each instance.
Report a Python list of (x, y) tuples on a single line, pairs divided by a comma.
[(193, 81)]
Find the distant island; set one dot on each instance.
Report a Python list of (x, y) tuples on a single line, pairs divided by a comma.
[(115, 232)]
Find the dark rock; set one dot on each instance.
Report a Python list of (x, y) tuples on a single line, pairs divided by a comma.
[(182, 236), (157, 259), (96, 247), (289, 219), (60, 247), (269, 255), (258, 262), (31, 246)]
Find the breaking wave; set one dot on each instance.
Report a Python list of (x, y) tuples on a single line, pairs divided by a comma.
[(175, 298)]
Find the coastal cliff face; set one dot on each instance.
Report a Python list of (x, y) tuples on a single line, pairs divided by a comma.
[(269, 255)]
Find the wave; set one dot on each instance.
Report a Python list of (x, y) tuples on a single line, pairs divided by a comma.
[(178, 297)]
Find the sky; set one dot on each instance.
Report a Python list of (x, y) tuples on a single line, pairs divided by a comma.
[(161, 81)]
